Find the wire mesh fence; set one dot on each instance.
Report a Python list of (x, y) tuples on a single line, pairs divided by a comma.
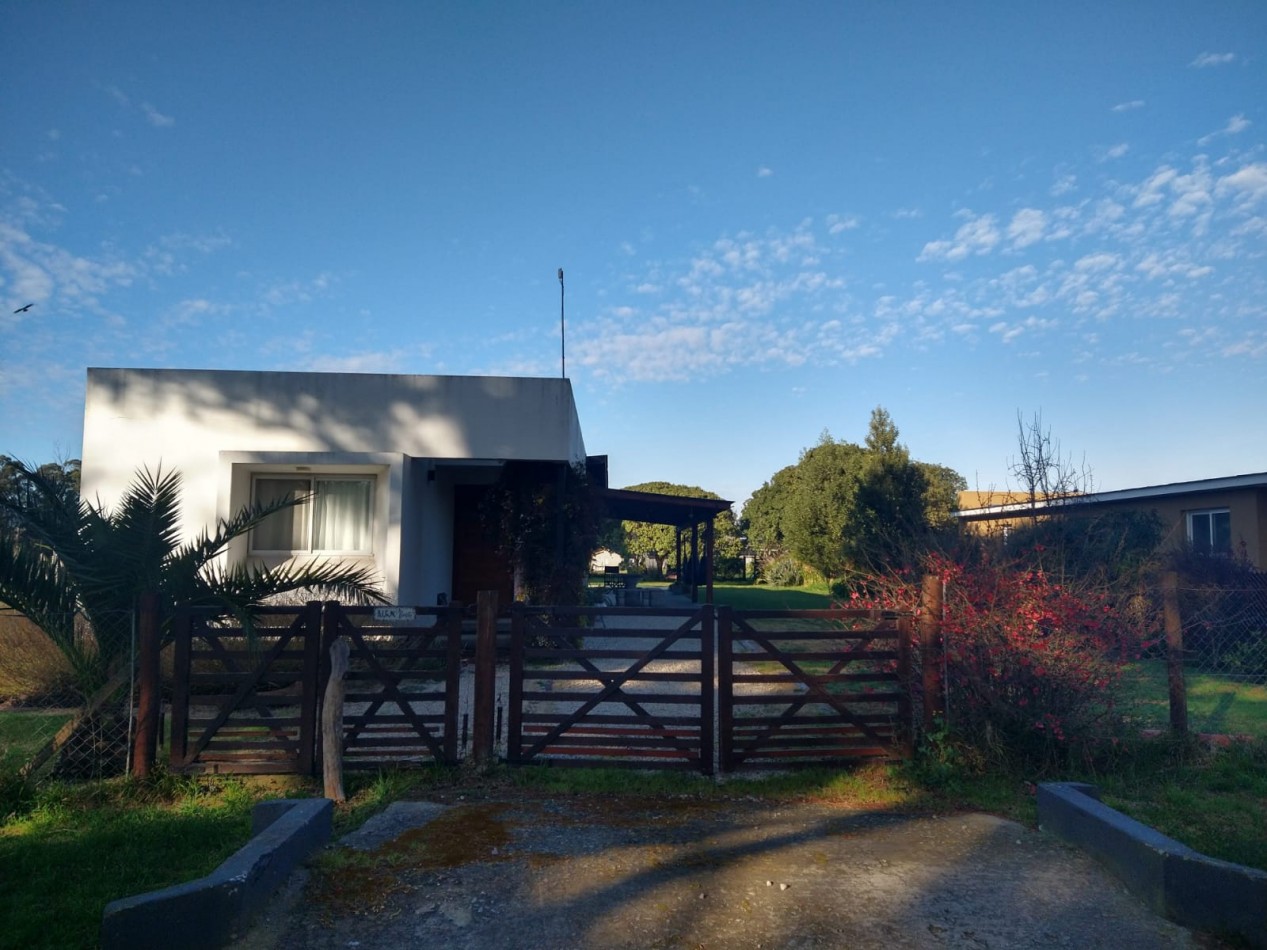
[(66, 704), (1205, 662), (1225, 625)]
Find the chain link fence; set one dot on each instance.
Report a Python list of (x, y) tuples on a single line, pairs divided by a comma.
[(1211, 617), (64, 714), (1224, 623)]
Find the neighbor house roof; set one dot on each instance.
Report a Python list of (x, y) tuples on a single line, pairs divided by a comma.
[(1199, 487)]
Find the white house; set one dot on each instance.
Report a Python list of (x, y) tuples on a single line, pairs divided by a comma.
[(396, 464)]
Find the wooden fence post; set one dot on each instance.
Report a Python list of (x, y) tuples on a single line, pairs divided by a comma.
[(1174, 653), (149, 702), (930, 650), (485, 677), (332, 722)]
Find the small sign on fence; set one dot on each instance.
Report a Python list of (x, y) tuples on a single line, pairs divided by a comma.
[(394, 614)]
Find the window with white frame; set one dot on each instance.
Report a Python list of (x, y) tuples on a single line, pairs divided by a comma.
[(336, 519), (1210, 531)]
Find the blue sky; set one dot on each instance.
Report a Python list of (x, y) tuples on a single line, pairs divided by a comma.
[(772, 218)]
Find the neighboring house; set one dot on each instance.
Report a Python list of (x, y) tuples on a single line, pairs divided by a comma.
[(1214, 516), (396, 465), (604, 559)]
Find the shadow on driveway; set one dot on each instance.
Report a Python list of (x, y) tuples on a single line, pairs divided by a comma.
[(595, 872)]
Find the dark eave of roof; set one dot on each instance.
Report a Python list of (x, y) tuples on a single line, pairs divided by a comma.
[(676, 510)]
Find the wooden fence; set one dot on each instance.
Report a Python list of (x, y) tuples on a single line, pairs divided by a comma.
[(694, 688)]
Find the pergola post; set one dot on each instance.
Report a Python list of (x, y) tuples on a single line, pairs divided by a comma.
[(708, 560)]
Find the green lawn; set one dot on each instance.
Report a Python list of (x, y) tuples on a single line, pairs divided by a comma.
[(1213, 801), (21, 735), (1216, 704), (763, 597), (82, 846)]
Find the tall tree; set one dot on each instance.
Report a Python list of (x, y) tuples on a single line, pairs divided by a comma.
[(818, 514), (65, 563), (889, 511), (845, 507), (765, 512)]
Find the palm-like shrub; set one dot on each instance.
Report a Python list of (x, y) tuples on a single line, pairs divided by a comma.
[(76, 569)]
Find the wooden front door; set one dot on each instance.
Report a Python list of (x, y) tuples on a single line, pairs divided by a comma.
[(477, 564)]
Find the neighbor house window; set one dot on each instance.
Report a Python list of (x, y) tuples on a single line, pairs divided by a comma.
[(1210, 532), (336, 519)]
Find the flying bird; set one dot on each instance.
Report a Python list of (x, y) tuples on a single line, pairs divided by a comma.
[(24, 309)]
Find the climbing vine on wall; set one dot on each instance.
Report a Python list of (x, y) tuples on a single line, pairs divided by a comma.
[(545, 517)]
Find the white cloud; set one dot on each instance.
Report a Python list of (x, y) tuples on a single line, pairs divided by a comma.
[(908, 214), (1213, 59), (1063, 185), (37, 271), (156, 118), (1235, 125), (1248, 184), (382, 362), (1129, 106), (1116, 151), (291, 292), (978, 236), (837, 223), (1152, 191), (1027, 227), (764, 172)]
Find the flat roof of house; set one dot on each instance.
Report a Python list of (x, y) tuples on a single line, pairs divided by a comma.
[(678, 510), (1201, 486)]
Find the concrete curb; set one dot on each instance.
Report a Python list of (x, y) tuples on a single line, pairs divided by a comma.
[(1170, 878), (214, 910)]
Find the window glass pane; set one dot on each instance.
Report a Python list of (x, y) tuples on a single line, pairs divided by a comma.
[(341, 515), (1221, 532), (285, 530), (1199, 532)]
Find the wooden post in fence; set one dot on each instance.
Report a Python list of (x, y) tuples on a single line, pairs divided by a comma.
[(149, 701), (332, 722), (930, 650), (1174, 653), (485, 677)]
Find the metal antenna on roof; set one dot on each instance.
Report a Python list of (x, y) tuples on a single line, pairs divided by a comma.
[(563, 353)]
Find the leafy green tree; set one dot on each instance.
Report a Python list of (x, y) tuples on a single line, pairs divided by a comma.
[(659, 541), (62, 558), (941, 496), (765, 511), (818, 513), (844, 507), (63, 477), (889, 505)]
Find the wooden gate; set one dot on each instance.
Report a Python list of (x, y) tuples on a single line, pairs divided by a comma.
[(245, 701), (629, 695), (401, 700), (812, 687)]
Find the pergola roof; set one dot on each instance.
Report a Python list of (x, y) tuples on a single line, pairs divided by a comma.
[(676, 510)]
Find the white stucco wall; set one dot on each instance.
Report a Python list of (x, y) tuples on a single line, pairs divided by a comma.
[(217, 427)]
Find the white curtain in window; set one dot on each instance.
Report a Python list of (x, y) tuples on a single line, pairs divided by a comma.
[(341, 515), (285, 530)]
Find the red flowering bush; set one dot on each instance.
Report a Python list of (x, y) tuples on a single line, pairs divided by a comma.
[(1030, 664)]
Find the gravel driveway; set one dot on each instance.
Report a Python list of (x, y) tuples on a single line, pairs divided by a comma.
[(532, 873)]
